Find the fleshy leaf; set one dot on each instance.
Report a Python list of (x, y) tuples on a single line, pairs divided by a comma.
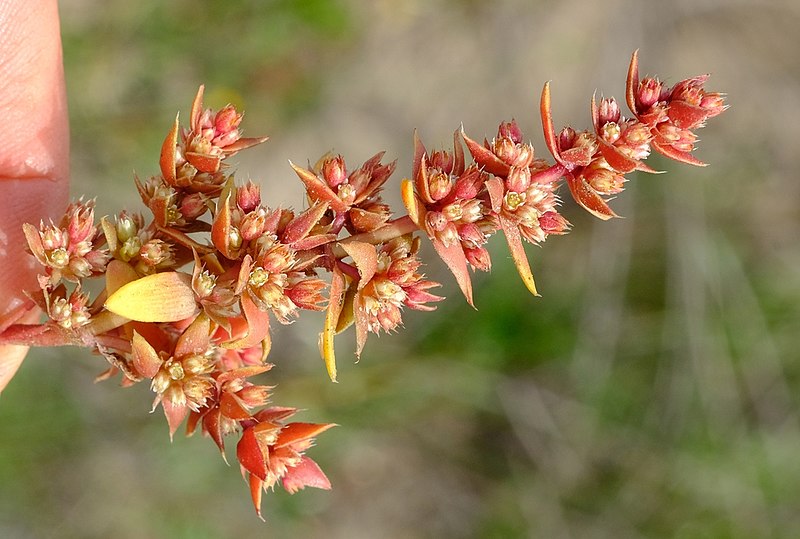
[(632, 83), (547, 124), (195, 339), (453, 256), (118, 274), (222, 224), (175, 414), (517, 249), (167, 160), (257, 324), (331, 319), (306, 474), (145, 358), (301, 226), (485, 158), (256, 490), (161, 297), (588, 198), (249, 453), (298, 432), (365, 257), (677, 155), (318, 190), (415, 208)]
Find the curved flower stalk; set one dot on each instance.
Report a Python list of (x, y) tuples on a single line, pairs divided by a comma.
[(189, 293)]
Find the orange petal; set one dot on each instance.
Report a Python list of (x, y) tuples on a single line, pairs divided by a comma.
[(495, 188), (244, 143), (256, 490), (161, 297), (419, 153), (361, 320), (616, 159), (110, 233)]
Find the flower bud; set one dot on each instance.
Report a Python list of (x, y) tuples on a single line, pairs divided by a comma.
[(254, 396), (471, 235), (510, 130), (253, 224), (519, 179), (469, 184), (248, 196), (333, 171), (478, 258), (53, 238), (126, 227), (193, 206), (442, 161), (449, 235), (553, 223), (307, 293), (389, 317), (604, 180), (155, 252), (81, 223), (80, 267), (60, 312), (439, 185), (566, 138), (608, 111), (649, 92), (436, 220)]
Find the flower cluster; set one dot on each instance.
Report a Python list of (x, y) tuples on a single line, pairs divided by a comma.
[(188, 293)]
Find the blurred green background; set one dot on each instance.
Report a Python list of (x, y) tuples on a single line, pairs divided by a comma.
[(651, 391)]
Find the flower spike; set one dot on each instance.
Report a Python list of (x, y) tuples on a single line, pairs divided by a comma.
[(200, 337)]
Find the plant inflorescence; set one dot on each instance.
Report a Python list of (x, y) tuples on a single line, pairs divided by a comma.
[(189, 292)]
